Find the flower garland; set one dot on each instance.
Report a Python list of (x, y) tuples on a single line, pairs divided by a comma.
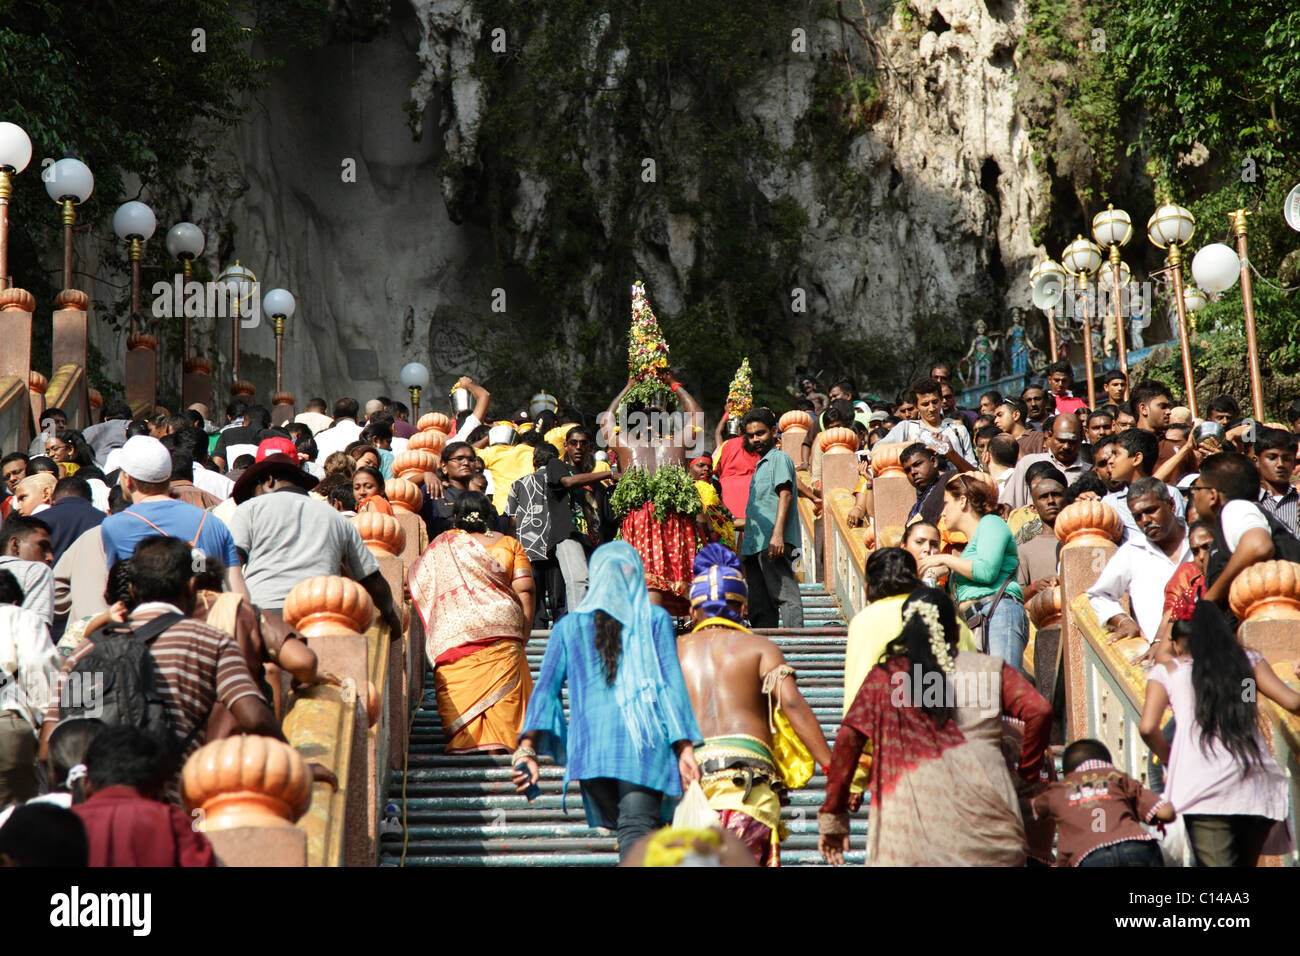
[(740, 394), (929, 614), (647, 354)]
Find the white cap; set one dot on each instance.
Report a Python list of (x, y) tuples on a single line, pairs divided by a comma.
[(146, 459)]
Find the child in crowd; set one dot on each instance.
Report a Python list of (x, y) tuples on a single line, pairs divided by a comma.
[(1098, 811), (127, 823)]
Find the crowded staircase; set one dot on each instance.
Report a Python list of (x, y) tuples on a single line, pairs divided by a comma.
[(464, 811)]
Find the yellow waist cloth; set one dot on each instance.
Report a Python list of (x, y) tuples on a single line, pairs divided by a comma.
[(725, 794)]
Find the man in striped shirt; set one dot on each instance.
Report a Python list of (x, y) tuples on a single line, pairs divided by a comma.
[(196, 665), (1275, 458)]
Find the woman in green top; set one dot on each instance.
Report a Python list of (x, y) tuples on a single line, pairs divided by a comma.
[(969, 506)]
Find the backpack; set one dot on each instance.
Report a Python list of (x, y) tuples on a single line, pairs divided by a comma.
[(118, 682)]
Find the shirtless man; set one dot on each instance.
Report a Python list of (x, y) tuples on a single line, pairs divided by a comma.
[(663, 438), (729, 673), (648, 440)]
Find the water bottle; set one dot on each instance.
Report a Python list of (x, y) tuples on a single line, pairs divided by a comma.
[(931, 577)]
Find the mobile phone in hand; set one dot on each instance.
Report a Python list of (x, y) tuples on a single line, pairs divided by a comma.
[(533, 791)]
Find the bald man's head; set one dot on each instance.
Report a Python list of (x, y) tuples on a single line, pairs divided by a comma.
[(1063, 443)]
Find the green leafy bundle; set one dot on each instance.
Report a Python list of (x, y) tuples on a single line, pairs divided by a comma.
[(671, 490)]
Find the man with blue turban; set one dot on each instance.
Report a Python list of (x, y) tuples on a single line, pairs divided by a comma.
[(757, 727)]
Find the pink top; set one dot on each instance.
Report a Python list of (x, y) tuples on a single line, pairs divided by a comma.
[(1210, 780)]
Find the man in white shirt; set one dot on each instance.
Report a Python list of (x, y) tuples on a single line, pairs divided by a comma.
[(1133, 455), (1063, 444), (999, 460), (482, 398), (342, 433), (1143, 565), (26, 553), (315, 416), (1225, 492), (29, 667), (932, 429)]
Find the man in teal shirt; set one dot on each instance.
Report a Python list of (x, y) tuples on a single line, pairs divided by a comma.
[(771, 539)]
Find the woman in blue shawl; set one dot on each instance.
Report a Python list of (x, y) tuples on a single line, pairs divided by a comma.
[(629, 742)]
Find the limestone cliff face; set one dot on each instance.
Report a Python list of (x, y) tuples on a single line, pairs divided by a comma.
[(928, 215)]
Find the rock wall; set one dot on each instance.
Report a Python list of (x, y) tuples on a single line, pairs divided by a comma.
[(934, 219)]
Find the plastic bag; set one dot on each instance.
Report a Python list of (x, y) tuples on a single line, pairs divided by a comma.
[(693, 810), (1172, 838), (793, 759)]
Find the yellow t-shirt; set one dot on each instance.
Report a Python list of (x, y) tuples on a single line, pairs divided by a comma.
[(508, 463), (870, 632), (556, 436)]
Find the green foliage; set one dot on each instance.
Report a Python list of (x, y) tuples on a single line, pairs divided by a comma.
[(118, 85), (671, 489)]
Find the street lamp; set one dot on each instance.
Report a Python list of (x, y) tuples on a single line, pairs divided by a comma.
[(415, 377), (69, 183), (279, 305), (1113, 229), (15, 154), (1081, 259), (185, 242), (241, 285), (134, 222), (1193, 301), (1170, 227), (1046, 286)]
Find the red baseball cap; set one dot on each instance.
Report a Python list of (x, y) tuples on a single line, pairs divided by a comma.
[(276, 446)]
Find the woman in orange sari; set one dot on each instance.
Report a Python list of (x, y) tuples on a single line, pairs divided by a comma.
[(474, 592)]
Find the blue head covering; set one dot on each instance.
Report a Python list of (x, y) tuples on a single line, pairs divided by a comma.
[(718, 579), (616, 585)]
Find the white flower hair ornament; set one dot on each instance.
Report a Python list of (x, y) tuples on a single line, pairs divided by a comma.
[(929, 614)]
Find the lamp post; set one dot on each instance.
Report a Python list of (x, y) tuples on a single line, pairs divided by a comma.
[(241, 286), (415, 377), (134, 222), (1215, 269), (1046, 283), (1113, 229), (185, 242), (1081, 259), (279, 305), (1170, 227), (15, 154), (69, 183), (1238, 220)]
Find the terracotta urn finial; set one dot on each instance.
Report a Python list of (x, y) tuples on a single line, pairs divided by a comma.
[(244, 387), (412, 465), (198, 365), (838, 440), (72, 299), (884, 459), (282, 398), (404, 496), (246, 781), (95, 397), (36, 382), (1088, 522), (1044, 608), (1267, 591), (435, 421), (329, 604), (380, 532), (141, 340), (795, 421), (431, 441), (17, 300)]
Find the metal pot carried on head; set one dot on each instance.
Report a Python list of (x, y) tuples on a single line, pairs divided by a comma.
[(542, 402), (502, 433), (462, 400), (732, 428)]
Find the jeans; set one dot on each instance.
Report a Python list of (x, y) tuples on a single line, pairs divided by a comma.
[(1226, 840), (636, 809), (572, 558), (1007, 629), (773, 592), (1126, 853)]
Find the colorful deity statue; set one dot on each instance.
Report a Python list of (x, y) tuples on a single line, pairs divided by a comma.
[(1018, 344), (978, 360)]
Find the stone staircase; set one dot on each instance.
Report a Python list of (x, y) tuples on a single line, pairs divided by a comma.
[(464, 811)]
